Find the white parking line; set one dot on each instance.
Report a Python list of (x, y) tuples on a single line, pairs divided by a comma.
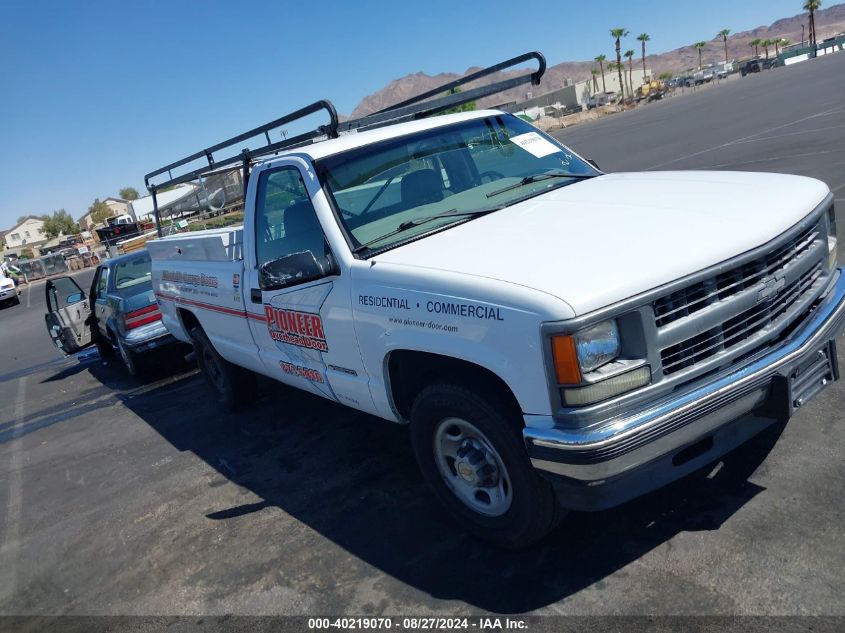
[(28, 295), (777, 136), (736, 141), (12, 526), (771, 158)]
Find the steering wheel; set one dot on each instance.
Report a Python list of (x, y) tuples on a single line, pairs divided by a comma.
[(491, 174), (120, 280)]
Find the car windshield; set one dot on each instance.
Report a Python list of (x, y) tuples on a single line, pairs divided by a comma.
[(396, 190), (131, 274)]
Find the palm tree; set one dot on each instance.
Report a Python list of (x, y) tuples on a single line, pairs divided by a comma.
[(618, 34), (600, 59), (765, 44), (781, 41), (629, 54), (595, 73), (699, 46), (812, 6), (754, 44), (643, 38), (724, 33)]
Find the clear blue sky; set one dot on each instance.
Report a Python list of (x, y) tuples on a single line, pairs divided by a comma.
[(95, 94)]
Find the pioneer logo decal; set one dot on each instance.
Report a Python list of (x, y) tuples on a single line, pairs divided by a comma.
[(302, 329)]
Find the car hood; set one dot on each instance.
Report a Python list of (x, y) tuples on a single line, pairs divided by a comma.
[(599, 241)]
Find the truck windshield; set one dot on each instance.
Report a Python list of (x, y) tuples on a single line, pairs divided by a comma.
[(443, 176)]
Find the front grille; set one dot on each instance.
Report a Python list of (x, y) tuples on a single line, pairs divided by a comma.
[(730, 333), (693, 298), (716, 317)]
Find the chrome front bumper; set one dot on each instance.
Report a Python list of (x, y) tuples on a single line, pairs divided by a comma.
[(623, 457)]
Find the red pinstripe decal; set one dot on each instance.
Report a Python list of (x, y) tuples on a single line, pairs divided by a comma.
[(210, 306)]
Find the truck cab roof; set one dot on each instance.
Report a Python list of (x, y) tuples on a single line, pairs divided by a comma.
[(354, 140)]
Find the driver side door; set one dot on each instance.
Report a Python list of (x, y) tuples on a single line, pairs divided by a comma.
[(68, 315)]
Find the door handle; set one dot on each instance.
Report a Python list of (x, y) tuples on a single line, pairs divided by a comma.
[(255, 295)]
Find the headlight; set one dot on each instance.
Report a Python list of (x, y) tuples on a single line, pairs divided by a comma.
[(588, 366), (584, 351), (597, 346)]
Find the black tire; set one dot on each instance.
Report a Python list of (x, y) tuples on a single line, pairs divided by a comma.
[(131, 360), (16, 301), (533, 509), (233, 386), (104, 347)]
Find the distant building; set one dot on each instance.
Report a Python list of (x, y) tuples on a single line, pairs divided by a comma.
[(117, 205), (27, 234), (577, 94)]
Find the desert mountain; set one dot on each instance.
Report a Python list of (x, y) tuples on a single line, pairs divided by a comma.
[(829, 21)]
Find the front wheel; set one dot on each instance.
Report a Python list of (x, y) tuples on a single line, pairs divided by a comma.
[(471, 454)]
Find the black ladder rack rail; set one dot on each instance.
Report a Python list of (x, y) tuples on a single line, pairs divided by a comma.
[(242, 159), (329, 130), (418, 107)]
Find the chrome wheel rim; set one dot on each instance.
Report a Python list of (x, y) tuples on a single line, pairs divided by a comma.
[(471, 467)]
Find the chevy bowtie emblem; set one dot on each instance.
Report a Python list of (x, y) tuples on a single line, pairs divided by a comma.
[(771, 286)]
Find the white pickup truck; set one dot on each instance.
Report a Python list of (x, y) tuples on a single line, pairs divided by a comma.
[(553, 341)]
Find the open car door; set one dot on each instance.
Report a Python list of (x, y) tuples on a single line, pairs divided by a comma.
[(68, 315)]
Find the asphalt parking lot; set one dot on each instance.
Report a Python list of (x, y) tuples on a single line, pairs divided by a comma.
[(124, 496)]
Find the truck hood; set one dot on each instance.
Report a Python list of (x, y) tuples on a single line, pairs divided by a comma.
[(599, 241)]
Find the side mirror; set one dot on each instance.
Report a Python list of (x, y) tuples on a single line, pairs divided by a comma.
[(295, 268), (76, 297)]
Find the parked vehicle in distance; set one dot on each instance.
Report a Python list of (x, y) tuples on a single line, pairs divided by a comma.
[(118, 313), (756, 66), (117, 228), (600, 99), (553, 337), (9, 293), (651, 90)]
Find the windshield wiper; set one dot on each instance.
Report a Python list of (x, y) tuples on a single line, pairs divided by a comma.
[(537, 178), (454, 213)]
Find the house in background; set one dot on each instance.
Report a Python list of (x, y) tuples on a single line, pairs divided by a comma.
[(118, 206), (27, 234)]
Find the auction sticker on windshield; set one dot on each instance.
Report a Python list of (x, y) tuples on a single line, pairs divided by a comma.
[(535, 144)]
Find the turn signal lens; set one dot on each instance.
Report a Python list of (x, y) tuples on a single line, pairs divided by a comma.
[(566, 360)]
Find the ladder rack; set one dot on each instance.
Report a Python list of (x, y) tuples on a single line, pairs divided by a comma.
[(418, 107)]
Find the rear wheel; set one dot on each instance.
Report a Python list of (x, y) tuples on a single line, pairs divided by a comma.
[(233, 385), (471, 453), (130, 359)]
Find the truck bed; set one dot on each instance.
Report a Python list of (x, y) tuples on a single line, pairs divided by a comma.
[(216, 245)]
